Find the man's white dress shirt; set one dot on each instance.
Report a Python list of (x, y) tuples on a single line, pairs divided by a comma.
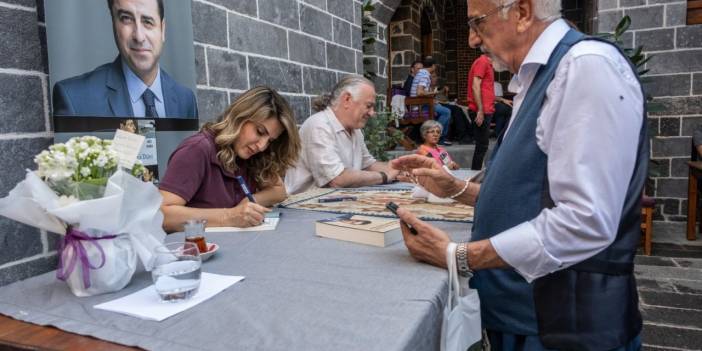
[(589, 129), (327, 149)]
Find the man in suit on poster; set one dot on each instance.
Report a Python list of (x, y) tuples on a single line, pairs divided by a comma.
[(133, 84)]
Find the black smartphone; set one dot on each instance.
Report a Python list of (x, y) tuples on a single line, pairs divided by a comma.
[(393, 208)]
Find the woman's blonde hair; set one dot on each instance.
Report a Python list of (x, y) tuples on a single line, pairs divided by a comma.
[(257, 105)]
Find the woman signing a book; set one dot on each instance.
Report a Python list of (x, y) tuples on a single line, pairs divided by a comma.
[(232, 169)]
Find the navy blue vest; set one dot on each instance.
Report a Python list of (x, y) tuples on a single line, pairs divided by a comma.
[(590, 306)]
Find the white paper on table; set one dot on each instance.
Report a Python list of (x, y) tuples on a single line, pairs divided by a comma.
[(127, 146), (419, 193), (268, 224), (146, 304)]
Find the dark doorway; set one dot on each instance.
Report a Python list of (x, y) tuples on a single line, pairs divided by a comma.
[(425, 27)]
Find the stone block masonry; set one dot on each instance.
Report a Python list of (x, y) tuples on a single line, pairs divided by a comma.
[(25, 131), (673, 80), (270, 42)]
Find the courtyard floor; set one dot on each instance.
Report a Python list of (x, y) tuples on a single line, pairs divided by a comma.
[(670, 290)]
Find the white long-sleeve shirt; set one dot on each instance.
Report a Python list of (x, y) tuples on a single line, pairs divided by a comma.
[(589, 129)]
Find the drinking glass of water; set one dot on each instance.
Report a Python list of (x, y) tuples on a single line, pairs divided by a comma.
[(176, 272)]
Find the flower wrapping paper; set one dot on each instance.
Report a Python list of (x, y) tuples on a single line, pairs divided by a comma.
[(129, 209)]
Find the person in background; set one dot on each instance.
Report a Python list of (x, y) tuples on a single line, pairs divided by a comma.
[(421, 86), (255, 138), (461, 127), (431, 132), (129, 125), (503, 110), (558, 213), (407, 87), (481, 106), (334, 152)]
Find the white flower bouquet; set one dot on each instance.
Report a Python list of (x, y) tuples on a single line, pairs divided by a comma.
[(107, 216)]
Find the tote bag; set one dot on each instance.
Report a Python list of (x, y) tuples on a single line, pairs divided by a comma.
[(461, 326)]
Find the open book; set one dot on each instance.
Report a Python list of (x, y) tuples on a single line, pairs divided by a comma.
[(361, 229)]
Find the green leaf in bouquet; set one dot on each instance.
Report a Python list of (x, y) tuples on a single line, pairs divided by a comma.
[(85, 190)]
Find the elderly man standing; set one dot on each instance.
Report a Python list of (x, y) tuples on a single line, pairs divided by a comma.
[(557, 215), (334, 153)]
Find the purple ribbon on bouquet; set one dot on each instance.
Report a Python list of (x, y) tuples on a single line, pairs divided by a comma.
[(73, 239)]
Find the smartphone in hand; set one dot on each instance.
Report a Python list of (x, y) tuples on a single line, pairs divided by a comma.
[(393, 208)]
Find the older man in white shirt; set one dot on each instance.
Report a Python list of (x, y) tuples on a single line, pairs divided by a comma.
[(334, 153), (557, 216)]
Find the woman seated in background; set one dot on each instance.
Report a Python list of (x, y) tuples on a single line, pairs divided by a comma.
[(256, 138), (431, 132)]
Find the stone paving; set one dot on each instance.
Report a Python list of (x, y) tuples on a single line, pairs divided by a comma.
[(670, 290)]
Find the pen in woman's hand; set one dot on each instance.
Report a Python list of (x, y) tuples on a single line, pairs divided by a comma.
[(245, 189)]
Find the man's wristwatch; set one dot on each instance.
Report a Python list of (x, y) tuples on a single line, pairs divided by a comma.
[(462, 261), (384, 176)]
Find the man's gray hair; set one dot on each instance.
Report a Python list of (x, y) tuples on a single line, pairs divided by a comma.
[(428, 125), (350, 84), (544, 10)]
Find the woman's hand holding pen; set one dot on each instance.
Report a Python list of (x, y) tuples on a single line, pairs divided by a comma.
[(245, 214)]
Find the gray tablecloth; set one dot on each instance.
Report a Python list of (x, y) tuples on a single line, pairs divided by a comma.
[(301, 292)]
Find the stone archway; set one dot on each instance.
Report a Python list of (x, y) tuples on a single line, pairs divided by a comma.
[(449, 26), (405, 36), (447, 19)]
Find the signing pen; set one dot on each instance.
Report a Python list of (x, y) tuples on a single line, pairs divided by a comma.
[(337, 199), (245, 188)]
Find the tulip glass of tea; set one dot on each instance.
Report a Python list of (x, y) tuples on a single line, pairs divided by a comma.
[(195, 233)]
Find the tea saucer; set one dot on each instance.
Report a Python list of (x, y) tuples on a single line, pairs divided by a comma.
[(211, 249)]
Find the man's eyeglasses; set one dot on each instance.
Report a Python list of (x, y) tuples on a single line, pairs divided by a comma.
[(474, 22)]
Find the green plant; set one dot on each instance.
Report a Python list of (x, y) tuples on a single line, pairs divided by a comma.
[(369, 31), (636, 55), (379, 138)]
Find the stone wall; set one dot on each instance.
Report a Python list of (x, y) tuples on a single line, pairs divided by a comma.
[(300, 47), (675, 80), (376, 54), (24, 131)]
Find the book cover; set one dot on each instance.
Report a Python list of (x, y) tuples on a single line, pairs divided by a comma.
[(366, 230)]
